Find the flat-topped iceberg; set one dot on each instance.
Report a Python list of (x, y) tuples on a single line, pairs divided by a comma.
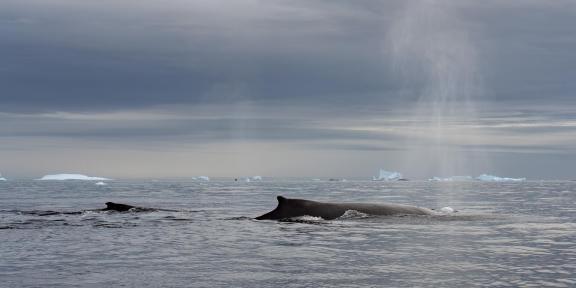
[(452, 179), (387, 176), (201, 178), (253, 178), (72, 177), (2, 178), (492, 178)]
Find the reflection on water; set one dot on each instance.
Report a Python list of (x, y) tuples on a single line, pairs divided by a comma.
[(505, 235)]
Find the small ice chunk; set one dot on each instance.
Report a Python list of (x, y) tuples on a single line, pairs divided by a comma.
[(2, 178), (72, 177), (201, 178), (447, 210), (387, 176), (492, 178), (253, 178), (100, 183)]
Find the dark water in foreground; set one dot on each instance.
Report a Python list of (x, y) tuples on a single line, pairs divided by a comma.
[(505, 235)]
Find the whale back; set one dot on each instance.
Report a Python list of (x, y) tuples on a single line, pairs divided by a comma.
[(288, 208), (387, 209), (111, 206)]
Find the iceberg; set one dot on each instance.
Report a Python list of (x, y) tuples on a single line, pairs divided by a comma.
[(452, 179), (201, 178), (388, 176), (253, 178), (100, 183), (492, 178), (2, 178), (72, 177)]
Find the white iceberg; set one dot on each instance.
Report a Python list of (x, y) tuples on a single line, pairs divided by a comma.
[(2, 178), (72, 177), (100, 183), (452, 179), (492, 178), (388, 176), (201, 178)]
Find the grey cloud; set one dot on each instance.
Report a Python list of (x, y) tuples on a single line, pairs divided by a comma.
[(97, 56)]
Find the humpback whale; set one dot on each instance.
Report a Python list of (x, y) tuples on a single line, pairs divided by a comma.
[(119, 207), (110, 207), (288, 208)]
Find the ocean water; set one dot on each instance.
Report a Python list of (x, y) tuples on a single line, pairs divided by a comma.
[(503, 235)]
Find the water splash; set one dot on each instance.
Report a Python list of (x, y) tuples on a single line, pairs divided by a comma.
[(433, 53)]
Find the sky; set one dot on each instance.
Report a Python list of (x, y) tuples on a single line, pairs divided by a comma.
[(299, 88)]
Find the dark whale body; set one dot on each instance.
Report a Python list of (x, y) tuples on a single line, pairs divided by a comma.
[(110, 207), (288, 208), (119, 207)]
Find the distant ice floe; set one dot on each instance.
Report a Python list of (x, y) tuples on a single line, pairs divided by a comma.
[(388, 176), (100, 183), (72, 177), (483, 177), (452, 179), (253, 178), (492, 178), (2, 178), (201, 178)]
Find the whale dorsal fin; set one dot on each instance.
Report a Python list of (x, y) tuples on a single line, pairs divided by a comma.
[(281, 199)]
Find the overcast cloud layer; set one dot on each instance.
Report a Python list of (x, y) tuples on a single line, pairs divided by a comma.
[(280, 88)]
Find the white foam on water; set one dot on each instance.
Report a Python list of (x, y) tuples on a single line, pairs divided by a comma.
[(353, 214), (307, 218)]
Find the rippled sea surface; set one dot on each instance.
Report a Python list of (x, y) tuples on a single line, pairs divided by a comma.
[(503, 235)]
